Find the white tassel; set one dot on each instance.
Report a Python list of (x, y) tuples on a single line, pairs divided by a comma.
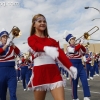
[(48, 87), (65, 34), (3, 29)]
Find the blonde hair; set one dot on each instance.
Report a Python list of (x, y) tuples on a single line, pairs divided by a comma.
[(33, 28)]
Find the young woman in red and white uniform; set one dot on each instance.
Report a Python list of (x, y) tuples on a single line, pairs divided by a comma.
[(46, 75)]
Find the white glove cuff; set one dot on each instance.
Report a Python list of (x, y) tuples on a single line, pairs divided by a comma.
[(51, 51)]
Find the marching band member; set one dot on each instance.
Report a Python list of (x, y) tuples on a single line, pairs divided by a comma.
[(99, 61), (75, 52), (18, 71), (62, 71), (24, 72), (7, 63), (95, 67), (67, 75), (89, 64), (30, 65), (46, 75)]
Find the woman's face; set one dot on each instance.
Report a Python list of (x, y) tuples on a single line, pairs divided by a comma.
[(72, 41), (40, 23), (4, 39)]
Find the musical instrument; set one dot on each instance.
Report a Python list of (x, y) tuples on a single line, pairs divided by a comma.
[(86, 35), (92, 59), (87, 45), (27, 56), (15, 32)]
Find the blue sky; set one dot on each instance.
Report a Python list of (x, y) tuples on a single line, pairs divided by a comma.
[(61, 15)]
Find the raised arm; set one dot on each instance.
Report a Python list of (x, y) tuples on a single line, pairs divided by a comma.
[(3, 48)]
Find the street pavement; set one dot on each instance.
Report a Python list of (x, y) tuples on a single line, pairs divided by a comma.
[(94, 88)]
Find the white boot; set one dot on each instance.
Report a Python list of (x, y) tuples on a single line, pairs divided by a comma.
[(24, 89), (86, 98), (78, 85), (97, 74), (94, 75), (88, 79), (76, 99), (91, 78), (67, 78)]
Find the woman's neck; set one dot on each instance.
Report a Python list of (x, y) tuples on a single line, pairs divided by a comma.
[(39, 33)]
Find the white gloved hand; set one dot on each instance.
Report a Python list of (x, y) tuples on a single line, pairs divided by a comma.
[(51, 51), (9, 42), (81, 41), (73, 72), (0, 43), (20, 61)]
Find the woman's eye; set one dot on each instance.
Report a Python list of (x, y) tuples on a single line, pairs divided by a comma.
[(44, 21), (40, 21)]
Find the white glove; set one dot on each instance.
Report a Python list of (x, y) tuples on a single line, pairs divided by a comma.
[(81, 41), (20, 61), (73, 72), (51, 51), (9, 43), (0, 43)]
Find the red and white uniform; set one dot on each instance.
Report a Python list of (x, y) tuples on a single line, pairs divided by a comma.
[(75, 52), (9, 54), (45, 74)]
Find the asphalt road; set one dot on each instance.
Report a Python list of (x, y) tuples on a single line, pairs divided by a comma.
[(94, 88)]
